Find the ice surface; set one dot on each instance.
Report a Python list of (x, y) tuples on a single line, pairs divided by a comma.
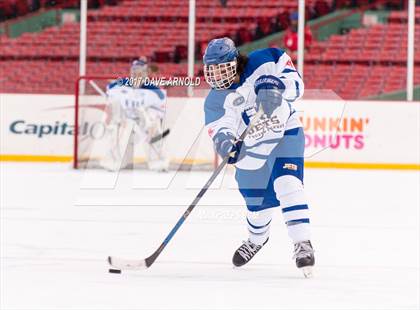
[(57, 228)]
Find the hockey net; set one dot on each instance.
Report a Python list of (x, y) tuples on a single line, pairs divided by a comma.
[(187, 146)]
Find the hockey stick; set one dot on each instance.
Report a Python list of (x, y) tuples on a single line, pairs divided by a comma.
[(98, 89), (137, 264), (160, 136)]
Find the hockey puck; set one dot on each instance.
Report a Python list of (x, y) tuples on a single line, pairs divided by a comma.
[(114, 271)]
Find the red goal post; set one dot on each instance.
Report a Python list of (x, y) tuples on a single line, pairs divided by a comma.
[(187, 146)]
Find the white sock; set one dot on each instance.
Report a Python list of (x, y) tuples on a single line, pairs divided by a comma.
[(290, 193), (259, 225)]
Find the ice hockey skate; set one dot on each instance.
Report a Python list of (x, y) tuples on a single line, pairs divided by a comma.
[(246, 252), (304, 256)]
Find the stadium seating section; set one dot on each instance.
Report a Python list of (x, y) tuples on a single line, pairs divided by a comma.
[(363, 63)]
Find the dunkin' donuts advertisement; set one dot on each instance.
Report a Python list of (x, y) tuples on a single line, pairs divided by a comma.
[(352, 132)]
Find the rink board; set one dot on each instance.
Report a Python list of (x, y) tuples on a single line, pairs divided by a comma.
[(339, 134)]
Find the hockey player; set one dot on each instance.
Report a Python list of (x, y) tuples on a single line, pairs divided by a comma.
[(136, 111), (269, 162)]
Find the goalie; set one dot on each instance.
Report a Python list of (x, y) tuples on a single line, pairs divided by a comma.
[(135, 117)]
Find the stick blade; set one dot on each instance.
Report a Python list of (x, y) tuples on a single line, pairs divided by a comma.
[(127, 264), (160, 136)]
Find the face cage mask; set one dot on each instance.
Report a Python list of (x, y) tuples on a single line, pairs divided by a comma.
[(139, 73), (220, 76)]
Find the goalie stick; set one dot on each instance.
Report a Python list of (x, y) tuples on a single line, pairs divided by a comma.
[(138, 264), (159, 136)]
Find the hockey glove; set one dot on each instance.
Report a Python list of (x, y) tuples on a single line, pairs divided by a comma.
[(226, 145), (269, 91)]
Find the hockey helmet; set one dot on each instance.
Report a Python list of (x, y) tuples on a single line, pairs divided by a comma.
[(139, 67), (220, 63)]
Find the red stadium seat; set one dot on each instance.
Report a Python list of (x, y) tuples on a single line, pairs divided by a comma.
[(363, 62)]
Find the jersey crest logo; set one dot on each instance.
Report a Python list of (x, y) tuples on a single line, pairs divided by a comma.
[(238, 101), (264, 125)]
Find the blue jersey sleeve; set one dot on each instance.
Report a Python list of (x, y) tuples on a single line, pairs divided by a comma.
[(220, 114), (213, 106), (274, 61)]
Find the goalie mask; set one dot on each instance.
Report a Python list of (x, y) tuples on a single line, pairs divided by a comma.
[(139, 69), (220, 63)]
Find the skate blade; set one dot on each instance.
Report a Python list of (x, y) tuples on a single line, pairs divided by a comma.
[(307, 271)]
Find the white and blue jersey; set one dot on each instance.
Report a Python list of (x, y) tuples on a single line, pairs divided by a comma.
[(132, 100), (228, 111)]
